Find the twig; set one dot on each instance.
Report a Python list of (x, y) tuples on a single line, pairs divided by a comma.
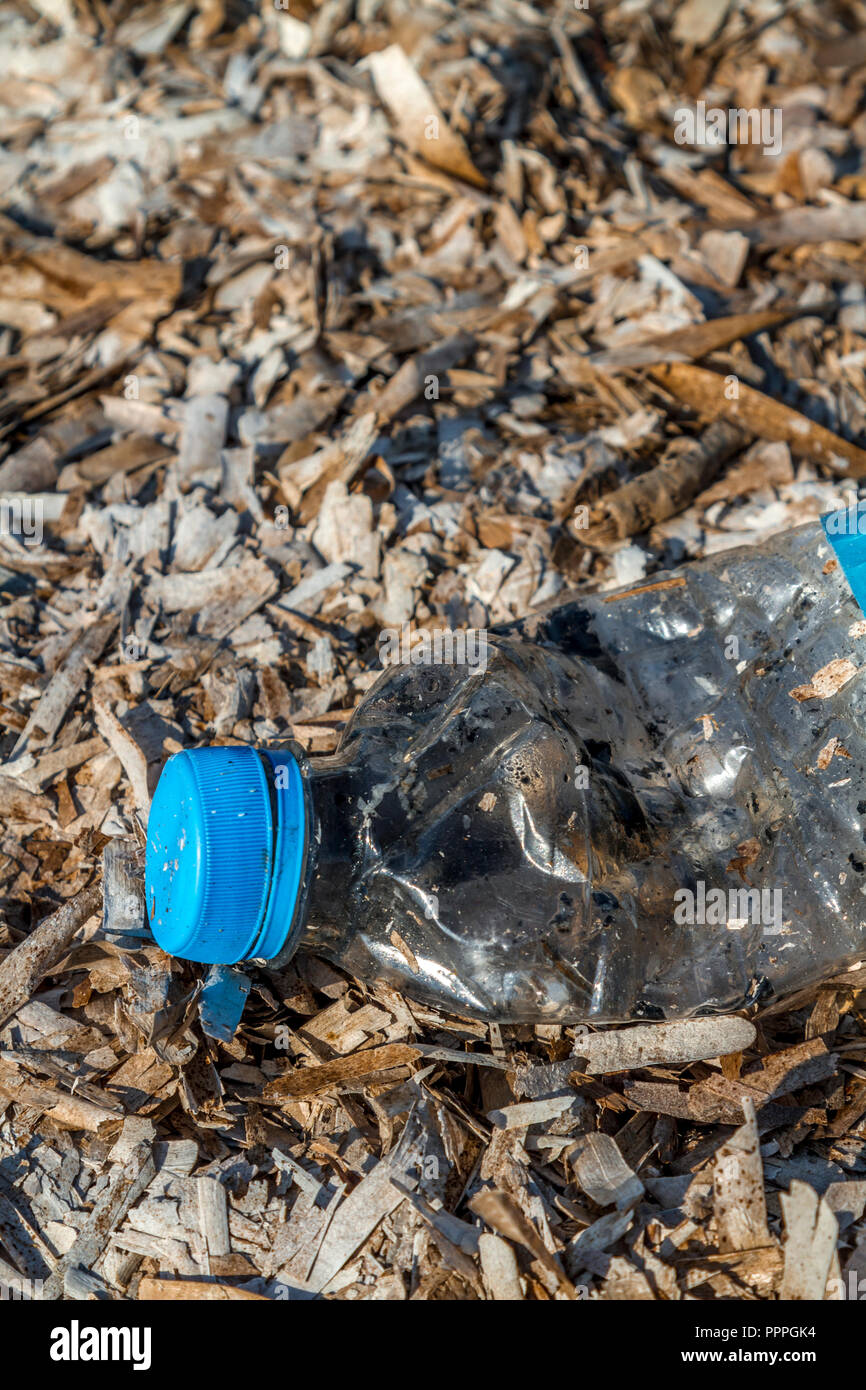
[(125, 1186), (702, 390), (577, 78), (408, 382), (24, 966), (662, 492)]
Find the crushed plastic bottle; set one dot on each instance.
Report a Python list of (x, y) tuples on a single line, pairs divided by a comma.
[(647, 803)]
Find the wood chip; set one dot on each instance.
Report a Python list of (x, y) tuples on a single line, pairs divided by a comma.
[(602, 1173), (738, 1189), (810, 1243), (417, 117), (826, 682), (499, 1267)]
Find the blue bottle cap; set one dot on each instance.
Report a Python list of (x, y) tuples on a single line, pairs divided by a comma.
[(226, 845)]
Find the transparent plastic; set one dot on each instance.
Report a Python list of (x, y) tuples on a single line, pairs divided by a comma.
[(521, 842)]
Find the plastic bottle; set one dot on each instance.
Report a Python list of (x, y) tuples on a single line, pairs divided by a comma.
[(647, 803)]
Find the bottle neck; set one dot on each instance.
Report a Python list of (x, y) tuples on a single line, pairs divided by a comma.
[(332, 789)]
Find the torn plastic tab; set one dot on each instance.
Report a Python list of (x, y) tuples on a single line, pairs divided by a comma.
[(222, 1000)]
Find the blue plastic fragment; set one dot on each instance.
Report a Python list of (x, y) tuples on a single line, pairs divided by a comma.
[(222, 1000)]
